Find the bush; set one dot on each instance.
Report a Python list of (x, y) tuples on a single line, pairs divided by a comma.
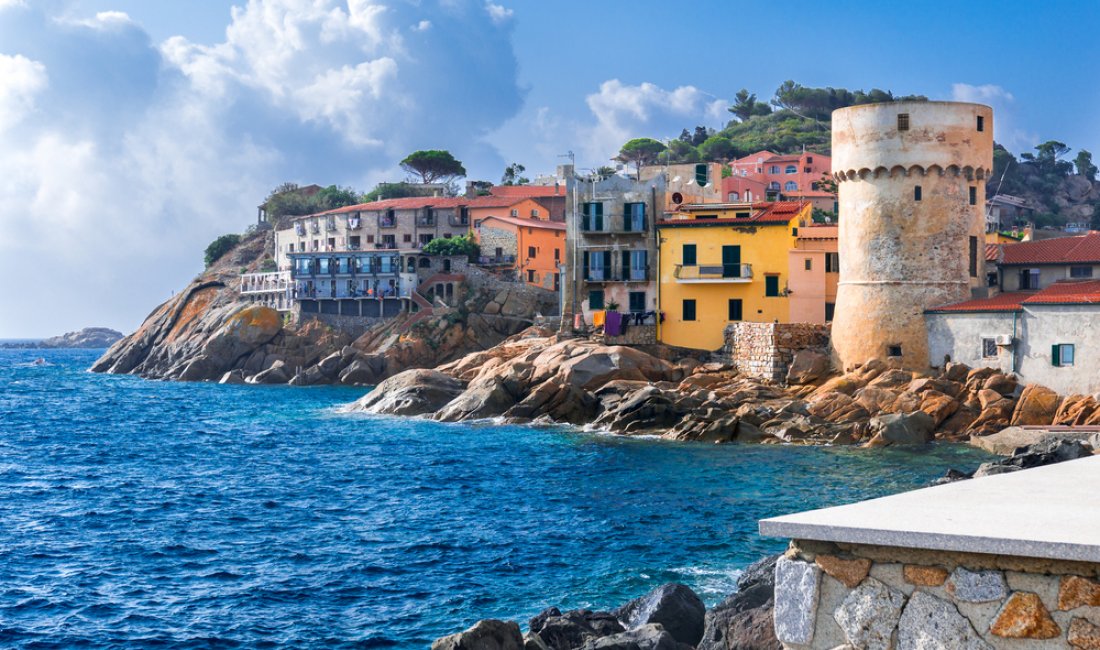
[(464, 245), (219, 247)]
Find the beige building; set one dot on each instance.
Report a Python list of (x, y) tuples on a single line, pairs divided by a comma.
[(911, 186)]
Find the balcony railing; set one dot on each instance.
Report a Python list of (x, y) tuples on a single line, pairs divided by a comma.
[(598, 274), (614, 225), (497, 260), (343, 293), (425, 221), (252, 283), (713, 273), (458, 221), (387, 222)]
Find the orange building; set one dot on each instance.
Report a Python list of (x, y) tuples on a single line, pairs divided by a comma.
[(813, 275), (529, 248)]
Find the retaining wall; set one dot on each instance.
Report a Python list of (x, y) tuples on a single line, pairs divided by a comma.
[(765, 350)]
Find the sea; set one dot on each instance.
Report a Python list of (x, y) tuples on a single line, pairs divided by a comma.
[(139, 513)]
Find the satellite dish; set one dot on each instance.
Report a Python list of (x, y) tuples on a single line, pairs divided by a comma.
[(677, 198)]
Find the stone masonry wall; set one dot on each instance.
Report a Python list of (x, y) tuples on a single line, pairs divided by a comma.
[(765, 350), (873, 597)]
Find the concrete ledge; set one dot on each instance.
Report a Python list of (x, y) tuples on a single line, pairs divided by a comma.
[(1048, 512)]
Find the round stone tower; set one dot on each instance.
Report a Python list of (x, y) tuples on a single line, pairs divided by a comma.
[(911, 192)]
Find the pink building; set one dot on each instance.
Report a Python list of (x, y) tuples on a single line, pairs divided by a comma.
[(813, 275), (783, 178)]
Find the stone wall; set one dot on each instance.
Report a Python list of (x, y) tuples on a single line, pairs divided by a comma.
[(855, 596), (765, 350), (634, 335)]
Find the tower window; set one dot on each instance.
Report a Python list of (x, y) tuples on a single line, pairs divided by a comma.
[(916, 193), (981, 123), (903, 121), (973, 195), (893, 350)]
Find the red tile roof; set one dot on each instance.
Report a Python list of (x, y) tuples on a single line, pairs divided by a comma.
[(775, 212), (526, 223), (415, 202), (1063, 250), (1066, 292), (528, 191)]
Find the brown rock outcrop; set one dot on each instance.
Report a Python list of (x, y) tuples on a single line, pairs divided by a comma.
[(1037, 405)]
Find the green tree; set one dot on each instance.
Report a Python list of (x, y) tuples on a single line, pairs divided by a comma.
[(433, 166), (333, 197), (679, 151), (513, 175), (1083, 163), (603, 172), (640, 152), (718, 148), (219, 247), (463, 245), (395, 191), (700, 136), (746, 107)]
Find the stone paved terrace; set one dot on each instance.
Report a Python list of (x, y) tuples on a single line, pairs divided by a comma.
[(1005, 561)]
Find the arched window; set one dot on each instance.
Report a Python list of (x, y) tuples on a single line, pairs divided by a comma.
[(791, 169), (774, 185), (790, 186), (733, 196)]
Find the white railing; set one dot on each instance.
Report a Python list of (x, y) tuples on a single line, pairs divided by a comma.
[(272, 282)]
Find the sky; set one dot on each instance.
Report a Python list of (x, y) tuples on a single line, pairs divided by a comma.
[(134, 132)]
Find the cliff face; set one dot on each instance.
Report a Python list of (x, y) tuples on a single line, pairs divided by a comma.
[(207, 333)]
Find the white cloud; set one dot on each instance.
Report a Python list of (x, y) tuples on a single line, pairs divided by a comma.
[(131, 156), (1005, 124), (21, 80), (498, 13)]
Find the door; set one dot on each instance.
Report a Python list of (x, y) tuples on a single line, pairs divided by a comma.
[(731, 261)]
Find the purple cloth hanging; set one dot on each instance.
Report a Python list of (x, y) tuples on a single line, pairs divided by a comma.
[(613, 326)]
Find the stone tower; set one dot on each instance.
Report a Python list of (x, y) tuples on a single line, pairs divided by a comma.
[(911, 191)]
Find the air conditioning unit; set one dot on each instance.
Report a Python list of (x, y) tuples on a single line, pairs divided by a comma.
[(1003, 339)]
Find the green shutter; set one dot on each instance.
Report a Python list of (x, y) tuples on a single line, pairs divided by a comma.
[(1055, 355)]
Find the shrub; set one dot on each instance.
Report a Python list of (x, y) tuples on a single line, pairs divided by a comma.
[(219, 247), (464, 245)]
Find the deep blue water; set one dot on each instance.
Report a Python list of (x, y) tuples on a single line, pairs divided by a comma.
[(137, 513)]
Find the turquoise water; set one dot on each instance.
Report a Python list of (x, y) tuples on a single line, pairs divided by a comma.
[(194, 515)]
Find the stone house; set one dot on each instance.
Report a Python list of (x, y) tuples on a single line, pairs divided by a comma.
[(1033, 265), (531, 250), (1048, 337)]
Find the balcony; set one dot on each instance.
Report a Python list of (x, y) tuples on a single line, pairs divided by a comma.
[(497, 260), (458, 220), (315, 229), (355, 223), (732, 273), (255, 283), (330, 226), (425, 221), (614, 225), (344, 293), (387, 222), (598, 274)]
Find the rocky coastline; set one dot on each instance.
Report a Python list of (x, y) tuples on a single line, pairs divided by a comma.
[(88, 338)]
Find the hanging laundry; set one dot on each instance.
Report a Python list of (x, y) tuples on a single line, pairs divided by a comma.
[(597, 318), (614, 325)]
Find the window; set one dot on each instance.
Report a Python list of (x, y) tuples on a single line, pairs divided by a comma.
[(774, 169), (806, 170), (809, 264), (989, 348), (771, 286), (1061, 354), (637, 302), (794, 231), (893, 350), (790, 186), (702, 175), (424, 239), (774, 185), (634, 217), (370, 239), (531, 277), (733, 196), (557, 254), (903, 125), (595, 299), (973, 195), (981, 123), (735, 309), (991, 279), (832, 262), (1080, 271), (531, 250), (689, 309), (830, 311), (689, 255), (1029, 279), (534, 212), (742, 215), (557, 282), (973, 257), (916, 193), (592, 216), (809, 160), (635, 265), (790, 169), (406, 237), (290, 248)]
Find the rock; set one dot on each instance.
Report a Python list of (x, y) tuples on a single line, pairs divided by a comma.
[(987, 396), (929, 623), (844, 384), (359, 373), (1002, 384), (574, 628), (331, 365), (993, 418), (646, 637), (938, 406), (895, 379), (797, 589), (744, 621), (993, 469), (233, 377), (1075, 591), (534, 642), (849, 571), (1023, 616), (807, 366), (837, 407), (869, 614), (489, 634), (924, 576), (89, 337), (276, 374), (674, 606), (1076, 410), (413, 392), (977, 586), (956, 372), (1037, 405), (1083, 634), (1047, 452), (903, 429), (877, 399)]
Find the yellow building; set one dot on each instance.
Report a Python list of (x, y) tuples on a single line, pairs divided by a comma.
[(721, 263)]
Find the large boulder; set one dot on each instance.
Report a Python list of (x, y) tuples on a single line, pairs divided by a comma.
[(647, 637), (489, 634), (903, 428), (1037, 405), (807, 366), (571, 630), (674, 606), (413, 392), (276, 374), (745, 620)]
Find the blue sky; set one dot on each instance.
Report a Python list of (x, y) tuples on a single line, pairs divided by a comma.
[(133, 132)]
